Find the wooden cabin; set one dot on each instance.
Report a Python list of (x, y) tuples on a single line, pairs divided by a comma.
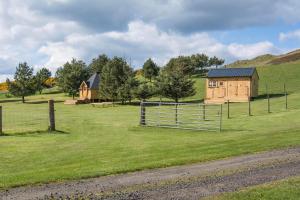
[(233, 84), (89, 90)]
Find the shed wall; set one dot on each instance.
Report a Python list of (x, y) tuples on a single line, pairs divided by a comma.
[(234, 89)]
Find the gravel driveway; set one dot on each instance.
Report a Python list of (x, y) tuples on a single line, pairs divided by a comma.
[(180, 182)]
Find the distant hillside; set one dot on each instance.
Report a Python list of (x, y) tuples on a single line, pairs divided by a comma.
[(289, 57), (268, 59)]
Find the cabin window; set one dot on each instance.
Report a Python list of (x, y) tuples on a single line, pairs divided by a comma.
[(212, 84), (221, 83)]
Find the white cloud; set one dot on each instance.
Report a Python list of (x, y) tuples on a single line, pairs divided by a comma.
[(290, 35), (242, 51), (145, 40), (51, 33), (3, 77)]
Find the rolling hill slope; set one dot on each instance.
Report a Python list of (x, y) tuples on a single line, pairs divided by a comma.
[(275, 71), (268, 59)]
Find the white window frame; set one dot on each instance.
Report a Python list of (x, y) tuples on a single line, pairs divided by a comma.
[(212, 83)]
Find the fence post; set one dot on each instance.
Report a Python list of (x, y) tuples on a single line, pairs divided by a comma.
[(1, 128), (204, 112), (51, 115), (176, 114), (285, 93), (228, 109), (249, 106), (143, 114), (221, 112), (159, 113), (268, 96)]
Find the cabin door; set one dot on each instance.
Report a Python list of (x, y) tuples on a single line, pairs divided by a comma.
[(232, 89), (243, 90), (211, 93), (84, 93)]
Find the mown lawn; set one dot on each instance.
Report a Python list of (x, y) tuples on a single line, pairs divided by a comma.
[(287, 190), (101, 141)]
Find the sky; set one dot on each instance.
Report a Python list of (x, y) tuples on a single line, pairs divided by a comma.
[(49, 33)]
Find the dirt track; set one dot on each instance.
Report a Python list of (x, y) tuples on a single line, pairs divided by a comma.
[(181, 182)]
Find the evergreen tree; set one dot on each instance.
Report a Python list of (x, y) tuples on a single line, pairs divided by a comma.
[(181, 64), (175, 85), (200, 62), (71, 75), (126, 90), (24, 83), (114, 77), (214, 61), (150, 69), (144, 91), (98, 63), (40, 79)]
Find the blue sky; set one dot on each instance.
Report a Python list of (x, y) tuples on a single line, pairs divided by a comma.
[(49, 33)]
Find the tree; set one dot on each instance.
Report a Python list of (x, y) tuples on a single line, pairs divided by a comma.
[(214, 61), (150, 69), (126, 90), (200, 62), (40, 79), (98, 63), (115, 75), (181, 64), (144, 91), (175, 85), (70, 76), (24, 83)]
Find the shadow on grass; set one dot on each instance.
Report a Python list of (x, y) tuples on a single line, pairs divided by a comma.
[(10, 100), (33, 133), (182, 131), (52, 92), (42, 102), (264, 96), (194, 101), (230, 130), (155, 103)]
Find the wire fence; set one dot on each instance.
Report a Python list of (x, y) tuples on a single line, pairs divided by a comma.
[(24, 118), (192, 116)]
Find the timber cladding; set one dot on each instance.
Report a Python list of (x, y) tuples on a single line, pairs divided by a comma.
[(89, 90), (232, 84)]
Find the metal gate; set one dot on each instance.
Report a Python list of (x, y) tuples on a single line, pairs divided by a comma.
[(192, 116)]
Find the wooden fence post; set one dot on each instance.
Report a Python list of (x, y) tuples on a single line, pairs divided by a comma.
[(249, 106), (286, 101), (221, 113), (176, 114), (1, 128), (143, 114), (204, 111), (51, 115), (268, 96), (228, 109)]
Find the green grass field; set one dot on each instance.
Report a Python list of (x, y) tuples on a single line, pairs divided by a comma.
[(101, 141), (287, 190)]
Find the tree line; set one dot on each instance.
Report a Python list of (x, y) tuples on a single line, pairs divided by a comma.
[(26, 83), (118, 80)]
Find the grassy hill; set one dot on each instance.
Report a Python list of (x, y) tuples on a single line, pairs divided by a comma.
[(101, 141), (268, 60)]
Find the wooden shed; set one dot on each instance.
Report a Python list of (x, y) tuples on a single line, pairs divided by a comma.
[(89, 90), (233, 84)]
